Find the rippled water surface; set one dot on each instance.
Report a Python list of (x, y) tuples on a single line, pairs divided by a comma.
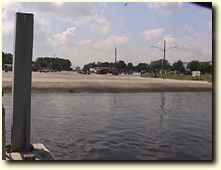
[(135, 126)]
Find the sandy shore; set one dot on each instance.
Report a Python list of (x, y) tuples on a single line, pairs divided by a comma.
[(74, 82)]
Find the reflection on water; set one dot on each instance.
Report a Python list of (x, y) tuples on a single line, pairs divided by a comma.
[(162, 106), (135, 126)]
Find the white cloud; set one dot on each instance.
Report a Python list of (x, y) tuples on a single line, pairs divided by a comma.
[(153, 34), (102, 24), (110, 42), (191, 31), (119, 40), (171, 40), (65, 38), (85, 30), (196, 42), (8, 27), (165, 8), (68, 9), (210, 25), (158, 35), (9, 10), (85, 42)]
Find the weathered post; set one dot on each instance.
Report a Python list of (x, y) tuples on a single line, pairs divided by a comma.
[(22, 68)]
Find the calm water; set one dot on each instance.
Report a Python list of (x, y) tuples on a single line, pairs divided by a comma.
[(138, 126)]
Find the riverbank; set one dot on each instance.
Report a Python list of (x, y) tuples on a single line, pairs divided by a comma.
[(74, 82)]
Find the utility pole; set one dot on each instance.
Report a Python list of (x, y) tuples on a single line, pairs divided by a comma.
[(115, 55), (164, 57)]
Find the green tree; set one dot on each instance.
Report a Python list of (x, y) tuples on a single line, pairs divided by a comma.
[(193, 65), (159, 65), (205, 67), (7, 58), (142, 67), (178, 66), (120, 66), (53, 64), (130, 66)]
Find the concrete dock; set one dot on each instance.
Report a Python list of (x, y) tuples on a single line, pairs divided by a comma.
[(38, 152)]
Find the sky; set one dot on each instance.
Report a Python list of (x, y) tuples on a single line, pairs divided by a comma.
[(89, 32)]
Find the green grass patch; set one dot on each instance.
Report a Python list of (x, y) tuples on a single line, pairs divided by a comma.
[(203, 77)]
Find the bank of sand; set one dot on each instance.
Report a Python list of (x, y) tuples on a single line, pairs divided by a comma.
[(74, 82)]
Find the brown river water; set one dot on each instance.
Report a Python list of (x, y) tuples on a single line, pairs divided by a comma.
[(121, 126)]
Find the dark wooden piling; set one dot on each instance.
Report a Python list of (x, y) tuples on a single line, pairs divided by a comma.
[(22, 68)]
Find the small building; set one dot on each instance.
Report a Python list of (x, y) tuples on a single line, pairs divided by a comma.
[(195, 73), (136, 74), (77, 68), (34, 67), (44, 70), (103, 70), (92, 70)]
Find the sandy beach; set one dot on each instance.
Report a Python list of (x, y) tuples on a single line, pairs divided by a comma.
[(74, 82)]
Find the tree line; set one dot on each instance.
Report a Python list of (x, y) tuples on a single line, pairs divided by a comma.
[(60, 64), (41, 63), (154, 66), (52, 64)]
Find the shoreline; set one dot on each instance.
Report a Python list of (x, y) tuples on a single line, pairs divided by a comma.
[(38, 90), (76, 83)]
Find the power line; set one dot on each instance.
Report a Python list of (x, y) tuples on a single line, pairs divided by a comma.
[(156, 47)]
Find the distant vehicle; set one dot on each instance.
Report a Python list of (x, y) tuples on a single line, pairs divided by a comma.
[(195, 73), (83, 72), (102, 71), (44, 70), (136, 74)]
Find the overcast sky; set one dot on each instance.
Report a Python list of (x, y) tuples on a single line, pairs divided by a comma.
[(85, 32)]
